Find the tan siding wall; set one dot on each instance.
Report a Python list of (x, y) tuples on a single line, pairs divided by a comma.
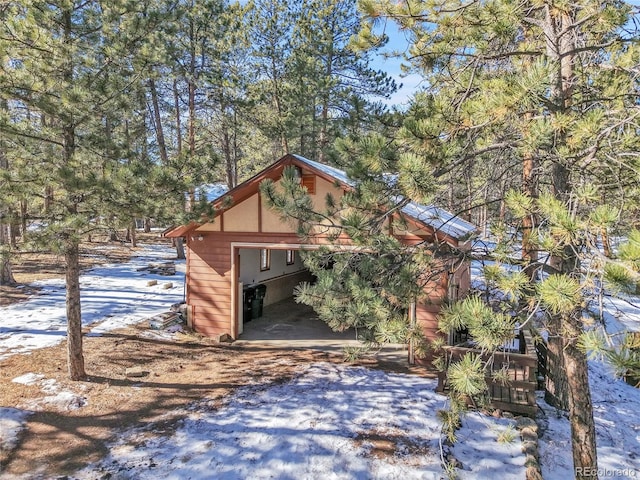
[(242, 217), (210, 226), (271, 222), (322, 189)]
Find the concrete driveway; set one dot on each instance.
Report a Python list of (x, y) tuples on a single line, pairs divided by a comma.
[(287, 324)]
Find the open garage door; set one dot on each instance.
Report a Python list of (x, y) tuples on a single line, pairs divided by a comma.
[(267, 310), (268, 314)]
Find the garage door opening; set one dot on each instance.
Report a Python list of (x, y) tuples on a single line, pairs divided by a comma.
[(267, 314), (289, 321), (267, 310)]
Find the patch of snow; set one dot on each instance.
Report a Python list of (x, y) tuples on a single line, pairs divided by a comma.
[(615, 410), (12, 421), (28, 378), (481, 452), (622, 313), (112, 296), (63, 401), (332, 421)]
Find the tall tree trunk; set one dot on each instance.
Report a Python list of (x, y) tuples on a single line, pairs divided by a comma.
[(228, 158), (134, 238), (451, 185), (176, 98), (278, 104), (468, 198), (147, 225), (180, 248), (48, 190), (23, 218), (606, 243), (583, 431), (48, 198), (176, 106), (75, 357), (6, 274), (162, 146), (191, 88), (324, 115), (561, 49), (484, 213), (530, 187), (13, 228), (502, 211), (236, 153)]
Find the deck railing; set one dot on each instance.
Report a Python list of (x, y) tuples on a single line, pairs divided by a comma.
[(518, 393)]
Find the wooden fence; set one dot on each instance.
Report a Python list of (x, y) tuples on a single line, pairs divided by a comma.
[(518, 394)]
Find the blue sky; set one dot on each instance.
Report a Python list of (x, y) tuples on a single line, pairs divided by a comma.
[(398, 42)]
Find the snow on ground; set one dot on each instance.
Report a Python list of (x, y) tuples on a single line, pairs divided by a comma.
[(615, 409), (12, 422), (62, 399), (112, 296), (332, 421), (622, 313)]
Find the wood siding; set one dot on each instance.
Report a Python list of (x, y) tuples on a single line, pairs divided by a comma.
[(209, 277)]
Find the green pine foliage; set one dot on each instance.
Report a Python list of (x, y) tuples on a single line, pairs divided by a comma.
[(489, 329), (560, 294), (629, 251), (370, 284), (466, 377)]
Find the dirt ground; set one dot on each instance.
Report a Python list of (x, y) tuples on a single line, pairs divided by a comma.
[(59, 439)]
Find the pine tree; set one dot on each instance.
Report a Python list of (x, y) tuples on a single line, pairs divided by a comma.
[(71, 64), (6, 275), (553, 84), (309, 73)]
